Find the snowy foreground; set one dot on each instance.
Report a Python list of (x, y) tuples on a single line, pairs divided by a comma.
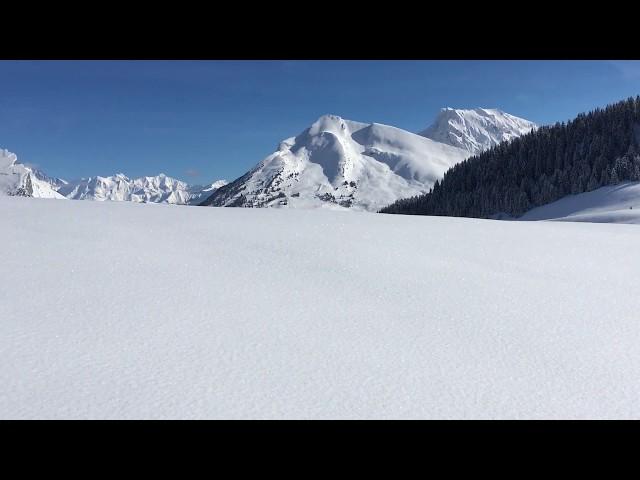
[(121, 310)]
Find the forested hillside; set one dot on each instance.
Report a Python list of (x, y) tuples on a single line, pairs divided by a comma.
[(595, 149)]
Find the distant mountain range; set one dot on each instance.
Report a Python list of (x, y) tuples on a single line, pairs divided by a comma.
[(481, 163), (335, 163), (158, 189), (21, 180), (338, 163)]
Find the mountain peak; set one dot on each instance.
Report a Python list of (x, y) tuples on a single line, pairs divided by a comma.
[(334, 124), (7, 158), (476, 130), (465, 112), (339, 163)]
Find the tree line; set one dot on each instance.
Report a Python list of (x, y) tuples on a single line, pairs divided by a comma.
[(595, 149)]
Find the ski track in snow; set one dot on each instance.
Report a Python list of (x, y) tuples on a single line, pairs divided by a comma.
[(121, 310)]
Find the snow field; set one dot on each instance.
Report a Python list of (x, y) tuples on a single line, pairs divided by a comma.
[(122, 310)]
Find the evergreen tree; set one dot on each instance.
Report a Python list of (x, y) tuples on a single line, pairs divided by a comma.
[(25, 190)]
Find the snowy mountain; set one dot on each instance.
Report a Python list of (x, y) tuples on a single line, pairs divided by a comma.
[(336, 163), (55, 182), (476, 130), (158, 189), (339, 163), (21, 180)]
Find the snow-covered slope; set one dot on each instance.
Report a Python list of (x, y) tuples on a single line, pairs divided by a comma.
[(271, 313), (199, 193), (55, 182), (158, 189), (476, 130), (340, 163), (613, 204), (19, 179)]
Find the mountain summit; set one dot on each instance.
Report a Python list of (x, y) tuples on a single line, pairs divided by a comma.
[(339, 163), (476, 130)]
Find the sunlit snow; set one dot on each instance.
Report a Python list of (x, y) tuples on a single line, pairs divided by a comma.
[(124, 310)]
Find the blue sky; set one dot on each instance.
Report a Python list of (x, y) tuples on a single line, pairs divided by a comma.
[(204, 120)]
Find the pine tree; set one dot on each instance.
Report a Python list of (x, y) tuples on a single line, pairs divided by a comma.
[(29, 186), (25, 190)]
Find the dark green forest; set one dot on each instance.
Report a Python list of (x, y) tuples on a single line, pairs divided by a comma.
[(595, 149)]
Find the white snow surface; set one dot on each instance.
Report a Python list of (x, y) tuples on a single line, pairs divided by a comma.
[(476, 130), (156, 189), (611, 204), (125, 310), (13, 177)]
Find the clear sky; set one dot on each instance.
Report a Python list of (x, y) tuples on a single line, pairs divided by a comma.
[(204, 120)]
